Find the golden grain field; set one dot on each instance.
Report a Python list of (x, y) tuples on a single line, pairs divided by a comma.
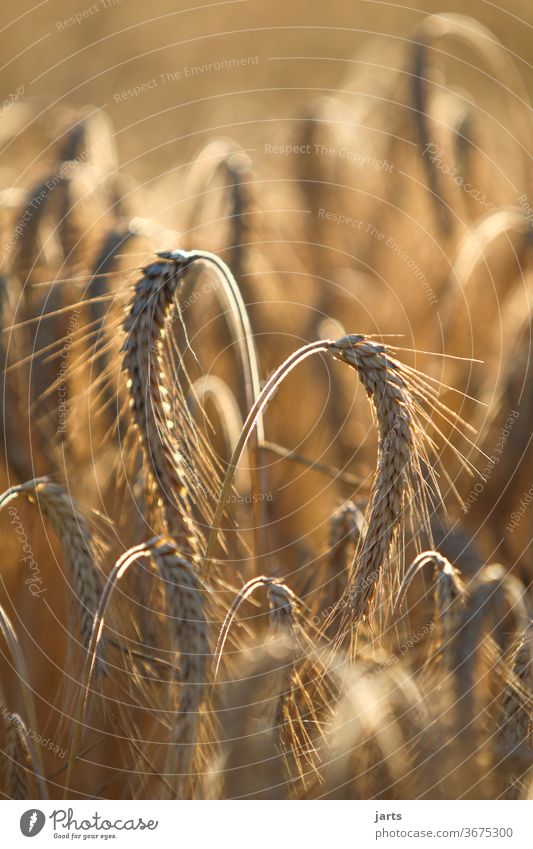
[(266, 293)]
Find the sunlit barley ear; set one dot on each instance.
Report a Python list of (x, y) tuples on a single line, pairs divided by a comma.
[(17, 766), (178, 459), (80, 545), (170, 468)]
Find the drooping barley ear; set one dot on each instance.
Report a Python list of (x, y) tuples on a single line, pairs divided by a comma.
[(17, 766), (420, 103), (502, 600), (106, 263), (236, 170), (519, 711), (79, 546), (191, 641), (464, 280), (399, 477), (345, 530)]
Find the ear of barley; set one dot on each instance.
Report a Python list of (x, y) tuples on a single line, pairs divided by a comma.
[(149, 392), (449, 595), (78, 543), (183, 477), (190, 639)]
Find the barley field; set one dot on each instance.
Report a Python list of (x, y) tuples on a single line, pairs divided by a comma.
[(266, 287)]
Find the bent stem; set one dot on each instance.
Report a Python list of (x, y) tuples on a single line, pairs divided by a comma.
[(242, 333), (255, 416), (10, 636), (119, 570)]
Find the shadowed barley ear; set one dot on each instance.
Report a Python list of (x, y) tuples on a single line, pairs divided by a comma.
[(81, 547), (448, 592), (17, 766), (490, 702), (325, 585), (189, 628), (518, 722)]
